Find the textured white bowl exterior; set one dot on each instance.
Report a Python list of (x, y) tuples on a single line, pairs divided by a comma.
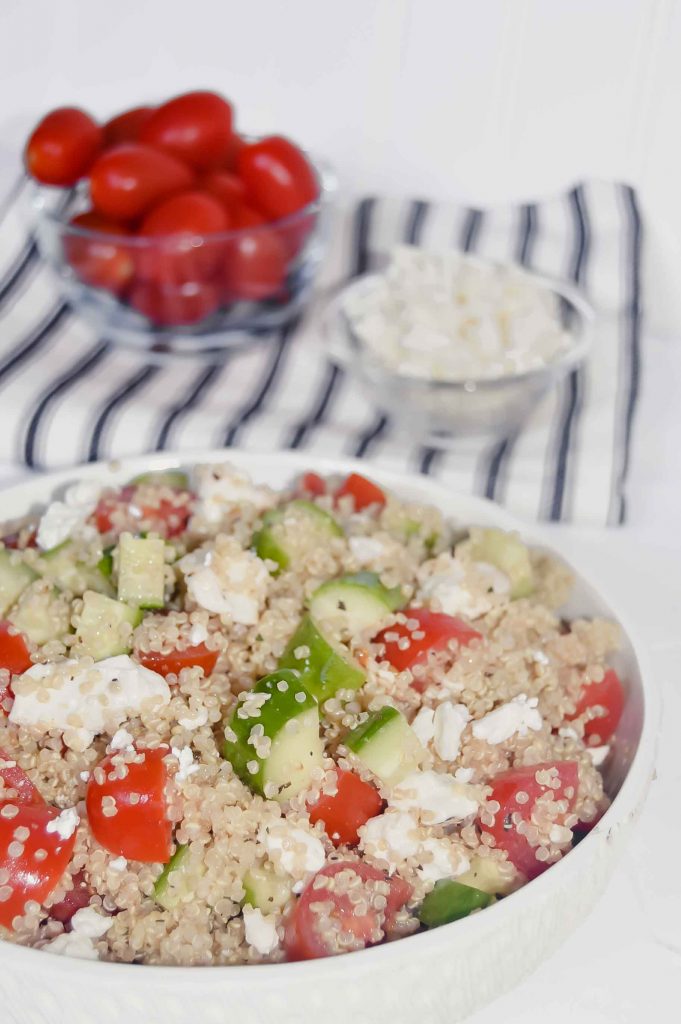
[(437, 977)]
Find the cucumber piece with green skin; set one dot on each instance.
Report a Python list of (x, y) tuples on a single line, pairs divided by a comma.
[(105, 564), (326, 668), (449, 901), (99, 633), (485, 874), (290, 533), (289, 719), (61, 566), (141, 571), (174, 478), (355, 602), (177, 882), (508, 553), (387, 745), (266, 891), (42, 613), (15, 576)]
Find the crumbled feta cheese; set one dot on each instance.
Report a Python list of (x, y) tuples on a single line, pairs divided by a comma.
[(442, 583), (186, 760), (366, 550), (198, 634), (449, 723), (221, 486), (464, 774), (598, 754), (260, 930), (65, 824), (444, 860), (230, 582), (121, 740), (118, 864), (424, 725), (86, 925), (519, 715), (88, 921), (391, 837), (434, 797), (61, 519), (195, 721), (84, 699), (295, 850)]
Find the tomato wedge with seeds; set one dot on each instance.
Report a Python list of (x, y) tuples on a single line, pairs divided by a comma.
[(608, 696), (167, 518), (14, 654), (505, 788), (364, 492), (354, 802), (140, 829), (34, 864), (174, 661), (437, 629), (302, 939), (16, 782)]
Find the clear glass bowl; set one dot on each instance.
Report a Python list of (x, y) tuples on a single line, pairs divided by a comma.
[(437, 412), (181, 295)]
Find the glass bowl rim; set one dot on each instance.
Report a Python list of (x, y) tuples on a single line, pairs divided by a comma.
[(369, 363)]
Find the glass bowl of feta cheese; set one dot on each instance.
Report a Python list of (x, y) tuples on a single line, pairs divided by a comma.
[(452, 345)]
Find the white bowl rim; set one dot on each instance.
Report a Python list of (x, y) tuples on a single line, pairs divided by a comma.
[(624, 805)]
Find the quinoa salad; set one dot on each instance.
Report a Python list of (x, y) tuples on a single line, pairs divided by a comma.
[(243, 726)]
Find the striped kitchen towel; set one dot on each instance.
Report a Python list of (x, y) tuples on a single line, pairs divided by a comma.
[(68, 396)]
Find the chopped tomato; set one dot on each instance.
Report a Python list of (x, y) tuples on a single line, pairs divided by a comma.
[(349, 808), (16, 786), (75, 900), (364, 492), (20, 540), (34, 864), (312, 483), (607, 700), (14, 655), (433, 632), (168, 518), (173, 662), (505, 790), (303, 940), (139, 829)]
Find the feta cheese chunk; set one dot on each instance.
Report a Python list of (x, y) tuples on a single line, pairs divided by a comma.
[(518, 716), (65, 824), (449, 722), (434, 797), (424, 725), (294, 849), (83, 699), (222, 486), (443, 583), (61, 519), (87, 924), (441, 859), (366, 550), (228, 581), (391, 837), (88, 921), (260, 930), (185, 758)]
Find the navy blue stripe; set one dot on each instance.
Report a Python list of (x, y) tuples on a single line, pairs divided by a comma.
[(26, 257), (376, 430), (55, 391), (429, 456), (280, 345), (126, 391), (574, 387), (413, 231), (299, 433), (196, 392), (39, 337), (362, 228)]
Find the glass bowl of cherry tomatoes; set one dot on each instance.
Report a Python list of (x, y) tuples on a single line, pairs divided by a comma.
[(170, 232)]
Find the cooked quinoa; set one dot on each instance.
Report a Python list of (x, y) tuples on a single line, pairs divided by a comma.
[(243, 726)]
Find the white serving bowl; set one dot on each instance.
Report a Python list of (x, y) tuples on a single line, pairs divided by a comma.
[(437, 977)]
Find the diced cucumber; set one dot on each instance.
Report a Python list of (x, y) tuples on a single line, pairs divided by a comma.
[(100, 629), (266, 891), (355, 602), (290, 533), (387, 745), (508, 553), (289, 719), (449, 901), (61, 566), (15, 576), (174, 478), (177, 882), (485, 874), (41, 613), (326, 667), (105, 564), (141, 571)]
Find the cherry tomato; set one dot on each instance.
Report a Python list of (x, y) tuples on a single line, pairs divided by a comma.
[(75, 900), (126, 127), (303, 941), (175, 306), (364, 492), (63, 146), (31, 875), (244, 216), (437, 629), (312, 484), (175, 661), (235, 146), (118, 512), (195, 127), (16, 785), (14, 654), (608, 697), (255, 264), (505, 788), (184, 253), (100, 263), (226, 187), (350, 807), (139, 830), (127, 180), (278, 176)]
